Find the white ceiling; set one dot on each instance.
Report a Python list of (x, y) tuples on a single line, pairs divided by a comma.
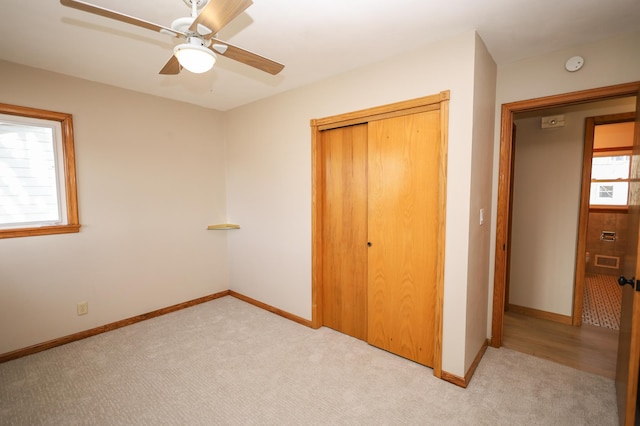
[(315, 39)]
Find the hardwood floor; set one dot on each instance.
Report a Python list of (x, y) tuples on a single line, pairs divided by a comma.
[(586, 348)]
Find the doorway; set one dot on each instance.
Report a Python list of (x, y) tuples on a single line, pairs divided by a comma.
[(511, 112), (608, 144)]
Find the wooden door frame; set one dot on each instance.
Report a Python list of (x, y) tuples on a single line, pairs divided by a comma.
[(505, 180), (428, 103)]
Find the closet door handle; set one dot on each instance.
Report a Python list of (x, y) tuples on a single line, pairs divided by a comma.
[(622, 281), (368, 243)]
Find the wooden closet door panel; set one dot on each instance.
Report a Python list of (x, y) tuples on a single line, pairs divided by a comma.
[(403, 225), (344, 225)]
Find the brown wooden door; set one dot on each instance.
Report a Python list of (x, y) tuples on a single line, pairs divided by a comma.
[(629, 338), (403, 227), (389, 162), (344, 230)]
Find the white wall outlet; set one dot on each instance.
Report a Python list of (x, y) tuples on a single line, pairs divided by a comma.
[(481, 217), (83, 308)]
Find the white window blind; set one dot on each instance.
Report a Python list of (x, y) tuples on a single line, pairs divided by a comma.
[(610, 180), (31, 172)]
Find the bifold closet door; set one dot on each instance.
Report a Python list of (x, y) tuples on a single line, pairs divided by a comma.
[(403, 158), (344, 230)]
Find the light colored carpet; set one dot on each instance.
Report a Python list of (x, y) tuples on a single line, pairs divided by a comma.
[(226, 362), (602, 301)]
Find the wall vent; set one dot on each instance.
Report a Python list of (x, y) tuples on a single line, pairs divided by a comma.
[(612, 262)]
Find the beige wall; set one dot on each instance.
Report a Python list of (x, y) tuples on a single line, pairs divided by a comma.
[(151, 177), (269, 177), (546, 201), (484, 98), (608, 62)]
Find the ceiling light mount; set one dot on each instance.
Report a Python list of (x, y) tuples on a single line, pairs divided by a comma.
[(183, 25), (199, 4)]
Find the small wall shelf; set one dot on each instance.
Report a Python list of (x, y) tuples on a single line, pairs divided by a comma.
[(223, 226)]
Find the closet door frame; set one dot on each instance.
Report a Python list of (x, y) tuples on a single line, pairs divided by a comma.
[(438, 101)]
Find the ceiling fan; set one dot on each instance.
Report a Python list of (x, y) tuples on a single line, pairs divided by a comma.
[(198, 52)]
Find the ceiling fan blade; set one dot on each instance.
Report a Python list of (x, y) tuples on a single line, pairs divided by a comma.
[(246, 57), (218, 13), (101, 11), (172, 67)]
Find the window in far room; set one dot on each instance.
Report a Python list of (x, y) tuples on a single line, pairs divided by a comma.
[(37, 173), (610, 179), (611, 165)]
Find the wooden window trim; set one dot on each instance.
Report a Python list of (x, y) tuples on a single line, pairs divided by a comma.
[(600, 208), (68, 152)]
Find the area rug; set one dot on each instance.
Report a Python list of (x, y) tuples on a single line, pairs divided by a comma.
[(602, 301)]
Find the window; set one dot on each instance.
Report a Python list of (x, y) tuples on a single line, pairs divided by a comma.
[(37, 173), (610, 179)]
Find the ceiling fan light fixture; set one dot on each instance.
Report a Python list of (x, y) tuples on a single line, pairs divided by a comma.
[(194, 56), (198, 53)]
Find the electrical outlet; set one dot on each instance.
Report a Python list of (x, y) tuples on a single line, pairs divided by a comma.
[(83, 308)]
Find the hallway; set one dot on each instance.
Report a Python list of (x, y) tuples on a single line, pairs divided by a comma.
[(586, 348)]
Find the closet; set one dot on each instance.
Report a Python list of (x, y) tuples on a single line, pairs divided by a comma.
[(378, 225)]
